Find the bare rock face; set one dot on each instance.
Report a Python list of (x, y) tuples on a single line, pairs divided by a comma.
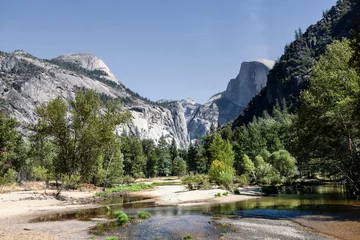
[(251, 79), (88, 62), (225, 106), (26, 82)]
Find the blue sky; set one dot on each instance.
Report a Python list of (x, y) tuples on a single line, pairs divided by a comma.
[(162, 49)]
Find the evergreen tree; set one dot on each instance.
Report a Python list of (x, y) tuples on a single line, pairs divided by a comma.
[(164, 158), (179, 167), (173, 150), (192, 159), (151, 157)]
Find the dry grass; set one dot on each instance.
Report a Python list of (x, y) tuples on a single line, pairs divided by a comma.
[(25, 186)]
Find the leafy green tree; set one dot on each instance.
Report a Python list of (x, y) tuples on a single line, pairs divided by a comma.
[(179, 167), (9, 140), (79, 142), (221, 150), (222, 174), (112, 163), (284, 164), (248, 167), (330, 113)]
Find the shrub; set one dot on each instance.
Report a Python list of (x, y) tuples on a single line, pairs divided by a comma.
[(225, 193), (217, 195), (108, 209), (284, 164), (122, 218), (39, 173), (187, 236), (143, 215), (129, 179), (195, 181), (9, 177), (111, 238), (242, 180)]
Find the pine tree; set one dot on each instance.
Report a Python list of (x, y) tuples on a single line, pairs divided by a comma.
[(164, 162)]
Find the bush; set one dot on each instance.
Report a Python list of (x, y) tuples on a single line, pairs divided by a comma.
[(284, 164), (217, 195), (195, 181), (111, 238), (39, 173), (143, 215), (225, 193), (222, 174), (243, 180), (129, 180), (122, 218), (9, 177), (187, 236)]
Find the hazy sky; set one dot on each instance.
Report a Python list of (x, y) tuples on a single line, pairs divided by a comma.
[(162, 49)]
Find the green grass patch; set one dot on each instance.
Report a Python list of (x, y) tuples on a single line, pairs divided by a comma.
[(129, 188), (187, 236), (143, 215), (122, 218), (165, 183), (112, 238)]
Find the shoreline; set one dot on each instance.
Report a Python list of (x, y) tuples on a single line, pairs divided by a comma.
[(18, 208)]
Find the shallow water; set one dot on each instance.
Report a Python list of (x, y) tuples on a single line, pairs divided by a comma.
[(317, 203)]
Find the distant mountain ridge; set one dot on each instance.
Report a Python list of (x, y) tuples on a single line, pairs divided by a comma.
[(27, 82)]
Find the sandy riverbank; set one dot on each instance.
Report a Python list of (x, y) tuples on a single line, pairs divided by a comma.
[(180, 196), (18, 208)]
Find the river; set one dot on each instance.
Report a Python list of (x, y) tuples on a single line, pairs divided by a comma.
[(322, 208)]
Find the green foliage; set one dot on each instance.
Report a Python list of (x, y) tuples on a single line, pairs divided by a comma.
[(164, 158), (121, 217), (80, 145), (134, 159), (243, 180), (128, 180), (225, 194), (111, 238), (217, 195), (187, 236), (39, 173), (11, 154), (329, 114), (221, 150), (179, 167), (9, 177), (196, 181), (143, 215), (222, 174), (149, 150), (108, 209), (247, 166), (284, 164)]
